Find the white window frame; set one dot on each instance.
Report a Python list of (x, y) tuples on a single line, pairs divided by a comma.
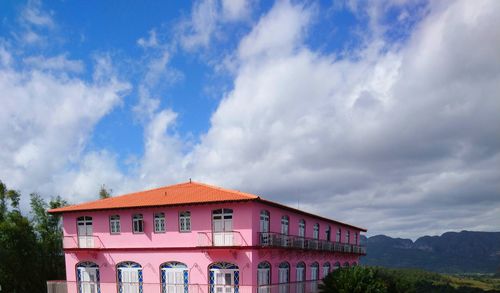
[(114, 224), (338, 236), (316, 231), (137, 224), (159, 222), (347, 236), (285, 225), (185, 221), (264, 221)]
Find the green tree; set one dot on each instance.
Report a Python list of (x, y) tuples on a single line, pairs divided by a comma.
[(104, 192), (353, 280), (48, 230), (18, 250)]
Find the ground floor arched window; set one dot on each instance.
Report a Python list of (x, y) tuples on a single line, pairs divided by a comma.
[(336, 266), (326, 269), (346, 264), (264, 277), (174, 277), (87, 275), (129, 275), (224, 277)]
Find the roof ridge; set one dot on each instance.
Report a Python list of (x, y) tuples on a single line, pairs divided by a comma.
[(250, 195)]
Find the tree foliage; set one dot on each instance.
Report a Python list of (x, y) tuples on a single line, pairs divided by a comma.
[(104, 192), (376, 279), (29, 246)]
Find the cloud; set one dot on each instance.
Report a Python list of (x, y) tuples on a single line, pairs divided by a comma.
[(198, 30), (404, 133), (233, 10), (46, 121), (56, 63), (34, 15)]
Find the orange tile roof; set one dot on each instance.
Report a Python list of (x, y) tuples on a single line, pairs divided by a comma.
[(179, 194)]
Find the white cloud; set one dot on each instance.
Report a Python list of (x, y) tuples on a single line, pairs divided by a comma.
[(34, 15), (56, 63), (46, 121), (234, 10), (198, 30)]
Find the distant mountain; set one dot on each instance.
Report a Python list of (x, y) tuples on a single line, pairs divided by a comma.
[(452, 252)]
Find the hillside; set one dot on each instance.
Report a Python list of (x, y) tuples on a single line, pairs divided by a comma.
[(452, 252)]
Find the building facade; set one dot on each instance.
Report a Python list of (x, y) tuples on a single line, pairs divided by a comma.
[(193, 237)]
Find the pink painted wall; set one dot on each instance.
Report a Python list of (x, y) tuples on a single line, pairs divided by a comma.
[(153, 249), (201, 221)]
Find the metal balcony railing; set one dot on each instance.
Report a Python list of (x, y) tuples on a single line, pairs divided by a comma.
[(226, 238), (82, 242), (271, 239), (146, 287)]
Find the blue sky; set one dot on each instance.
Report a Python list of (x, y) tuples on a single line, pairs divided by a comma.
[(384, 114)]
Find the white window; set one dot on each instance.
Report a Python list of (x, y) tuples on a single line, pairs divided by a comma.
[(264, 221), (264, 276), (337, 237), (284, 273), (301, 269), (85, 232), (314, 271), (326, 269), (114, 224), (302, 228), (316, 231), (185, 221), (129, 277), (356, 238), (347, 236), (328, 232), (284, 225), (174, 277), (159, 222), (138, 223)]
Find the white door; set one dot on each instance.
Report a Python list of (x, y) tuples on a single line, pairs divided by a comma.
[(130, 280), (174, 280), (283, 280), (223, 228), (263, 280), (85, 239), (223, 281), (88, 280)]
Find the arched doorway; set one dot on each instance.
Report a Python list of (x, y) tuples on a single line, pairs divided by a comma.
[(224, 277), (174, 277), (87, 275)]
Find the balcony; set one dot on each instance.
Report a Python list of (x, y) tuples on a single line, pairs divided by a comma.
[(82, 242), (220, 239), (67, 286), (270, 239)]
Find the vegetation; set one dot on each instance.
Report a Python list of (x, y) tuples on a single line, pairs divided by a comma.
[(30, 248), (376, 279), (105, 192)]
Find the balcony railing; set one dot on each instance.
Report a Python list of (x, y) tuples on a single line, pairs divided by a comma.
[(227, 238), (82, 242), (69, 287), (271, 239)]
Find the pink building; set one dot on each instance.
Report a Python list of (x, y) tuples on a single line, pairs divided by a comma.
[(193, 237)]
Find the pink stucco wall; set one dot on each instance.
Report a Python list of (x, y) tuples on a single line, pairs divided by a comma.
[(151, 249)]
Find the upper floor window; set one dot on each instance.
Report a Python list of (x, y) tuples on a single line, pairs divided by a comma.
[(159, 222), (356, 238), (347, 236), (264, 221), (185, 221), (328, 233), (302, 228), (316, 231), (137, 223), (337, 237), (285, 221), (114, 224)]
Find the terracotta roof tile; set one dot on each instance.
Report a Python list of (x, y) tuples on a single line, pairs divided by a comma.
[(184, 193)]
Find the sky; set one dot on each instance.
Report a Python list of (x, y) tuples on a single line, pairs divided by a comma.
[(382, 114)]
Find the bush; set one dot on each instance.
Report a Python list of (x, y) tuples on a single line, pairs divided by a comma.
[(353, 280)]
